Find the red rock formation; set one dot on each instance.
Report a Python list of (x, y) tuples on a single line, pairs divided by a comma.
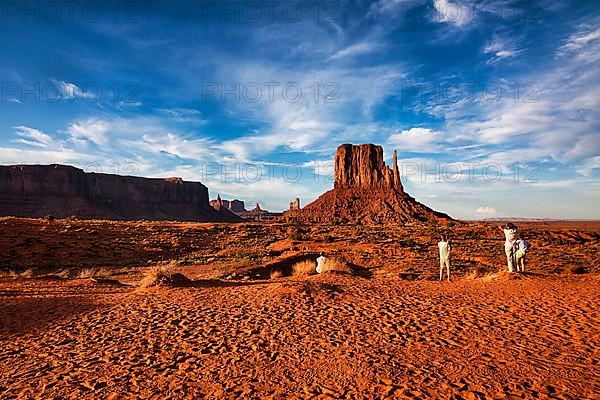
[(363, 166), (295, 205), (63, 191), (365, 191)]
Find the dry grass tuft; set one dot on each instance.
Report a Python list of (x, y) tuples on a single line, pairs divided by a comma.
[(27, 274), (333, 264), (156, 275), (8, 274), (63, 273), (306, 267), (87, 273), (163, 275), (276, 274)]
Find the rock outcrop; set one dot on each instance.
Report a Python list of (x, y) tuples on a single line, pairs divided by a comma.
[(295, 205), (365, 191), (236, 206), (63, 191)]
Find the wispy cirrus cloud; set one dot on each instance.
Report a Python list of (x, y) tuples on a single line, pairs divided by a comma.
[(33, 137)]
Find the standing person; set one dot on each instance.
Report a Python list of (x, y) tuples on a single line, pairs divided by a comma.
[(444, 247), (321, 262), (522, 247), (510, 233)]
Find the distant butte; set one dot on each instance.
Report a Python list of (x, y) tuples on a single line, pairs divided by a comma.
[(64, 191), (365, 191)]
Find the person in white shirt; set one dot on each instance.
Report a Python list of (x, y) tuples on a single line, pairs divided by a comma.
[(444, 247), (321, 262), (522, 248), (510, 244)]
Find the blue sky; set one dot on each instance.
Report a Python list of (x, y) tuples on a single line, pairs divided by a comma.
[(253, 97)]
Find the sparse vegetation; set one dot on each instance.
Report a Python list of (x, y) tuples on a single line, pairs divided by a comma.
[(87, 273), (306, 267), (276, 274), (156, 275), (333, 264), (49, 217), (329, 239), (11, 273), (63, 273), (162, 275), (27, 273)]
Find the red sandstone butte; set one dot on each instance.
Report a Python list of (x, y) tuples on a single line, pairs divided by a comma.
[(365, 191), (362, 166)]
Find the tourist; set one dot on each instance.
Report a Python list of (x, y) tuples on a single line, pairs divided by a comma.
[(522, 248), (321, 262), (444, 247), (510, 233)]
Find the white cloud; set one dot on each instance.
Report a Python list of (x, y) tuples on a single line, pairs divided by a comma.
[(500, 49), (311, 123), (580, 40), (356, 49), (91, 130), (70, 90), (11, 155), (183, 115), (387, 6), (33, 137), (451, 12), (588, 166), (486, 210), (421, 140), (554, 115)]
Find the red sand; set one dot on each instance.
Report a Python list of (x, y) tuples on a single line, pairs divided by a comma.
[(330, 336)]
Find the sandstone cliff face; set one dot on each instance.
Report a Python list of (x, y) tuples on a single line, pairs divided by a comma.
[(363, 166), (63, 191), (365, 191)]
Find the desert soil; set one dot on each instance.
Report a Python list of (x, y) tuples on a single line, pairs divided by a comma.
[(392, 333)]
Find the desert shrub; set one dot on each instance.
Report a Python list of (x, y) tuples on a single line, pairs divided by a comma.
[(86, 273), (306, 267), (276, 274), (329, 239), (333, 264), (63, 273), (27, 273), (162, 275), (575, 269), (11, 273), (156, 275), (49, 217)]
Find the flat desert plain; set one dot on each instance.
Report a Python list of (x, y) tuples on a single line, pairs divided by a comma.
[(74, 322)]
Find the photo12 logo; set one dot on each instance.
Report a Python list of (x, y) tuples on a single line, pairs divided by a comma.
[(456, 92), (254, 92), (57, 91), (253, 12), (68, 12)]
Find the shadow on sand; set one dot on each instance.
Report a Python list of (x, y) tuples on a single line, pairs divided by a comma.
[(284, 265)]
